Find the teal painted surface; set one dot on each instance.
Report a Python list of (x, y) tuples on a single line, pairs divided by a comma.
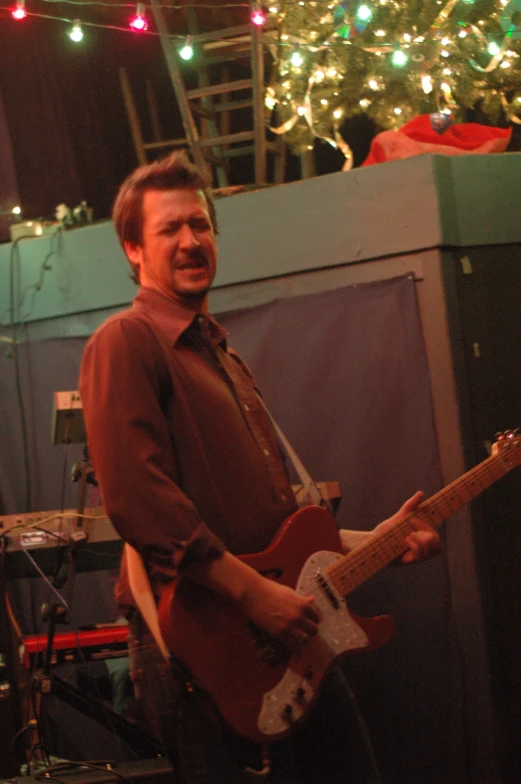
[(394, 208), (485, 199), (87, 271)]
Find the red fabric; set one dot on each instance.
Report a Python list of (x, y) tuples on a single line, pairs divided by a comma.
[(418, 137)]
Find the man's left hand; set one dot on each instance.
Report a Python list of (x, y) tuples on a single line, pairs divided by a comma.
[(422, 544)]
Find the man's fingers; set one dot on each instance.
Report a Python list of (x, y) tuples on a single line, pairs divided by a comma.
[(310, 611), (422, 545), (412, 502)]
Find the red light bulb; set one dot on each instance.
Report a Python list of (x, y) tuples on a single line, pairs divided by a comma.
[(258, 16), (139, 22), (19, 12)]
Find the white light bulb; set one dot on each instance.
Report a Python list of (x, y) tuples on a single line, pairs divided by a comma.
[(426, 84)]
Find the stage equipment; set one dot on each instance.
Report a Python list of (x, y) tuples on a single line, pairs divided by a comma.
[(68, 426), (95, 541), (151, 771), (101, 642)]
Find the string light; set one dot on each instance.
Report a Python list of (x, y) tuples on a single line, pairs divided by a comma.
[(316, 36), (19, 11), (76, 32), (186, 52), (139, 22), (258, 17)]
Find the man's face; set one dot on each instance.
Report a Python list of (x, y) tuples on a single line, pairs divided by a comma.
[(178, 253)]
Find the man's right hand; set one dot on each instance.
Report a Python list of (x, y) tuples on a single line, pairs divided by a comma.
[(281, 612), (277, 609)]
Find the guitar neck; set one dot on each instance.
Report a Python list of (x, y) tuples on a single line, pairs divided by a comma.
[(365, 561)]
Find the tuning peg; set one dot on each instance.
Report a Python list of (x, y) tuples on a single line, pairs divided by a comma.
[(499, 436)]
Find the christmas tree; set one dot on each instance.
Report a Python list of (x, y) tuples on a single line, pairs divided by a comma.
[(393, 60)]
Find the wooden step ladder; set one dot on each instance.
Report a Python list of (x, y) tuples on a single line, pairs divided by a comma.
[(213, 142)]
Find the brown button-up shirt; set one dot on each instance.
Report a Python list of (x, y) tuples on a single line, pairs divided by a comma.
[(183, 449)]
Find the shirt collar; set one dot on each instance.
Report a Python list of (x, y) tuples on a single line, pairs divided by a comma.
[(174, 318)]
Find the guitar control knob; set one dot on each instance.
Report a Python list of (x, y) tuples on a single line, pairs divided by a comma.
[(287, 712)]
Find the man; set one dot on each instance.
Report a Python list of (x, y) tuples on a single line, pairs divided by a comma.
[(191, 475)]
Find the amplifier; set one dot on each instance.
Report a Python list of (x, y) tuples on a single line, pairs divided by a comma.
[(102, 642), (154, 771)]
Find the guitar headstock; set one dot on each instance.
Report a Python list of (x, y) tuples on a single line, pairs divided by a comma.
[(508, 445)]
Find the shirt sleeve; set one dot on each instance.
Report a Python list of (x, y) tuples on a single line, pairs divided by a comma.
[(124, 385)]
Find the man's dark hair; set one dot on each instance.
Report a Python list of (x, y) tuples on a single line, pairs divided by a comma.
[(173, 172)]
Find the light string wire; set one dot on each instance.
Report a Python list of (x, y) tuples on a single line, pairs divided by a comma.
[(180, 37), (14, 254)]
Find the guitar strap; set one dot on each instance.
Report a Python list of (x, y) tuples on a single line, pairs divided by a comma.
[(311, 490)]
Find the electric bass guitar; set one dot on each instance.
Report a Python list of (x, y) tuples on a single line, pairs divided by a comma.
[(261, 689)]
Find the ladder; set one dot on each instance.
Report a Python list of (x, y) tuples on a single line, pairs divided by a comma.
[(213, 142)]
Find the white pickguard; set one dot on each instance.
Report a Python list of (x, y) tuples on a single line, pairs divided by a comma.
[(337, 633)]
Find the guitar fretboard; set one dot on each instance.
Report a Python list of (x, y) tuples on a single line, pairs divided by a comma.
[(361, 564)]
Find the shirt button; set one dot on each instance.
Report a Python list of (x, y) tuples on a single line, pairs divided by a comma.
[(266, 452)]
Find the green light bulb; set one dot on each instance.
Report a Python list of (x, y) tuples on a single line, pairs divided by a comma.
[(186, 53), (399, 58), (76, 33)]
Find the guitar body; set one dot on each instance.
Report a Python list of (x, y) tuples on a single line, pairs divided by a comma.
[(261, 690)]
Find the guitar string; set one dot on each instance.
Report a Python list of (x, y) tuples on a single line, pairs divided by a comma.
[(367, 559)]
